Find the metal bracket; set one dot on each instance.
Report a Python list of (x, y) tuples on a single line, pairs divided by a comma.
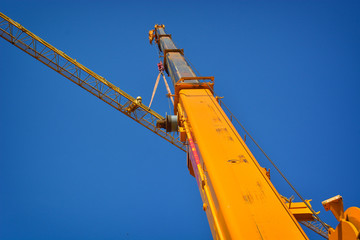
[(183, 83), (164, 35), (158, 36)]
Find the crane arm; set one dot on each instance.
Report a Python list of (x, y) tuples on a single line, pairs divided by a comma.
[(238, 197), (22, 38)]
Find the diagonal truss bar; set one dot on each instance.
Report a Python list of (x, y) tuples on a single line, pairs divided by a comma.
[(317, 227), (22, 38)]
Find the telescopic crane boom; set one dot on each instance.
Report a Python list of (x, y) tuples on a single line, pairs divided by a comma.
[(238, 197)]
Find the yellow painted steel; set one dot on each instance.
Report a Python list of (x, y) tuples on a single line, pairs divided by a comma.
[(349, 221), (204, 188), (300, 211), (239, 199)]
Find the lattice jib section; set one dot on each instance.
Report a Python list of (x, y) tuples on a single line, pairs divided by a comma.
[(316, 227), (82, 76)]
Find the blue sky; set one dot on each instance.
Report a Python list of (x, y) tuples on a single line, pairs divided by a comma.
[(71, 167)]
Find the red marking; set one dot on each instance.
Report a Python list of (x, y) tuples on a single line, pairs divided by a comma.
[(193, 150), (160, 66)]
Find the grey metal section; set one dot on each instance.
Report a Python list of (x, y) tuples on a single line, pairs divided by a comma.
[(176, 64), (166, 42), (171, 123)]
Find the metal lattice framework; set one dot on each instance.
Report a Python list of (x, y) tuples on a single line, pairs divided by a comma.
[(316, 227), (22, 38)]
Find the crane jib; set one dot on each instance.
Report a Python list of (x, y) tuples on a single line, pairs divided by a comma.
[(22, 38)]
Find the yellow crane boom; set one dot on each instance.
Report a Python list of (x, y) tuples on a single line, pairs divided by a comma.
[(238, 197)]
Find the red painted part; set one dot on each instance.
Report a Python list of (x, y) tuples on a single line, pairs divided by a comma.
[(160, 66), (194, 158)]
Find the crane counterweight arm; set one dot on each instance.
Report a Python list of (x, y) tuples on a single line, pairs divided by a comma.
[(22, 38)]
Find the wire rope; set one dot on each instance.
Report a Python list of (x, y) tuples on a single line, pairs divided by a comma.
[(264, 153), (277, 169)]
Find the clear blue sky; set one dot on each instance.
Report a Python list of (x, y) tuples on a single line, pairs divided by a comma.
[(71, 167)]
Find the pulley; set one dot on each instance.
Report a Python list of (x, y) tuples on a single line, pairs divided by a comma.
[(170, 123)]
